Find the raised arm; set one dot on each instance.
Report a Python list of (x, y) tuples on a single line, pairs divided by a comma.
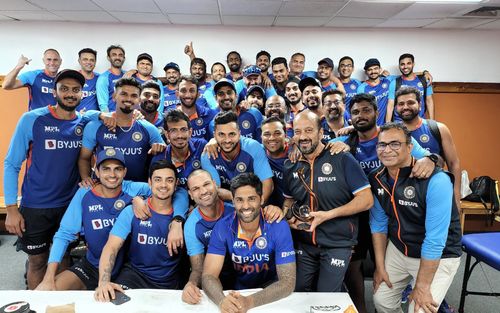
[(10, 81)]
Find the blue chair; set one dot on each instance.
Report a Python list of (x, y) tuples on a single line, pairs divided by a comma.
[(484, 247)]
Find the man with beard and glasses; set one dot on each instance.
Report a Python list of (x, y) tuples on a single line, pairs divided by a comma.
[(238, 154), (49, 139), (134, 138), (263, 61), (85, 214), (252, 76), (346, 68), (143, 74), (199, 115), (325, 192), (105, 86), (412, 79), (261, 252), (234, 64), (275, 106), (87, 59), (311, 95), (363, 147), (40, 83), (333, 107), (172, 75), (150, 101)]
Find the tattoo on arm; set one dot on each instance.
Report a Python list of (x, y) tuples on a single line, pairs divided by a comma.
[(279, 289), (196, 269), (106, 277), (213, 288)]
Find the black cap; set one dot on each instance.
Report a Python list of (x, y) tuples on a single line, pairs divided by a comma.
[(256, 88), (145, 56), (70, 74), (172, 65), (371, 62), (224, 82), (328, 61), (308, 81)]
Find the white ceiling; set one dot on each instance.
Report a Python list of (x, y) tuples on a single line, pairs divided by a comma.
[(447, 14)]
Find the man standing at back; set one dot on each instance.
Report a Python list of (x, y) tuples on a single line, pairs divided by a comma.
[(40, 83), (87, 58), (106, 82)]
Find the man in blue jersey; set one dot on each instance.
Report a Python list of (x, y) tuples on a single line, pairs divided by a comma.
[(297, 64), (234, 64), (93, 212), (105, 86), (40, 83), (412, 79), (408, 105), (256, 97), (275, 106), (263, 61), (326, 76), (150, 266), (346, 68), (252, 76), (333, 107), (311, 95), (135, 138), (415, 226), (172, 75), (262, 253), (150, 102), (143, 74), (49, 139), (217, 71), (293, 97), (198, 70), (281, 75), (238, 154), (87, 59), (323, 193), (378, 86), (199, 115)]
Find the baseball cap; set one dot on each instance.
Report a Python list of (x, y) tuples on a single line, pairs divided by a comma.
[(172, 65), (256, 88), (70, 74), (371, 62), (308, 81), (251, 70), (110, 154), (145, 56), (224, 82), (328, 62)]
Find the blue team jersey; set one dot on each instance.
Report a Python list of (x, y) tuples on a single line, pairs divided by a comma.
[(410, 83), (276, 164), (202, 88), (329, 134), (51, 147), (170, 101), (95, 215), (158, 121), (89, 95), (425, 138), (198, 228), (105, 88), (366, 152), (148, 252), (40, 86), (134, 142), (351, 89), (192, 162), (381, 92), (254, 259), (200, 121), (249, 122), (241, 90), (251, 158), (210, 99), (161, 107)]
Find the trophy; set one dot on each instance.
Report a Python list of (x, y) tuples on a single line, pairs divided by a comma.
[(300, 212)]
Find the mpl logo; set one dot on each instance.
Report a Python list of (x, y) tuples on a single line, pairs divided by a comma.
[(239, 244), (207, 234), (95, 208), (50, 144), (337, 263), (51, 129), (146, 224), (109, 136)]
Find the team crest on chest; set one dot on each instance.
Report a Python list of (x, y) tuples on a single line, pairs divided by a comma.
[(261, 243), (352, 86), (419, 84), (245, 124), (137, 136), (119, 204), (241, 167), (78, 130), (424, 138), (326, 168), (409, 192), (196, 164), (384, 85), (199, 121)]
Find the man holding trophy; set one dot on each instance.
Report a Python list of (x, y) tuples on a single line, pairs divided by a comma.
[(320, 203)]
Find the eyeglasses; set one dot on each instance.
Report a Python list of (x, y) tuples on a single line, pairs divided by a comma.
[(273, 106), (175, 131), (394, 145)]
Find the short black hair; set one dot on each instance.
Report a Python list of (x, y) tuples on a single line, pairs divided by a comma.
[(261, 53), (87, 50), (332, 92), (199, 61), (233, 52), (360, 97), (225, 117), (188, 78), (128, 81), (406, 55), (218, 63), (280, 60), (174, 116), (161, 164), (151, 84), (398, 126), (246, 179), (407, 90), (273, 119), (114, 47), (346, 58)]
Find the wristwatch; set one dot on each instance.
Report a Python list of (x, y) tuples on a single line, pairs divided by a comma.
[(433, 157), (178, 218)]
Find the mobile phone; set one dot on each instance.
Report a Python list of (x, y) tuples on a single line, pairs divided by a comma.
[(120, 298)]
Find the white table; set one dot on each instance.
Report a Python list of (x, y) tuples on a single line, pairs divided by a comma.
[(165, 301)]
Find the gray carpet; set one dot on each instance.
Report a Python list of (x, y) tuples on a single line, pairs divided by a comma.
[(484, 278)]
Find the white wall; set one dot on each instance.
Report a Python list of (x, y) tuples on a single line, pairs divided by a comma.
[(450, 55)]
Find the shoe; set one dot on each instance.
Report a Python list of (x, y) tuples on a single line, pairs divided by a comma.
[(406, 293)]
